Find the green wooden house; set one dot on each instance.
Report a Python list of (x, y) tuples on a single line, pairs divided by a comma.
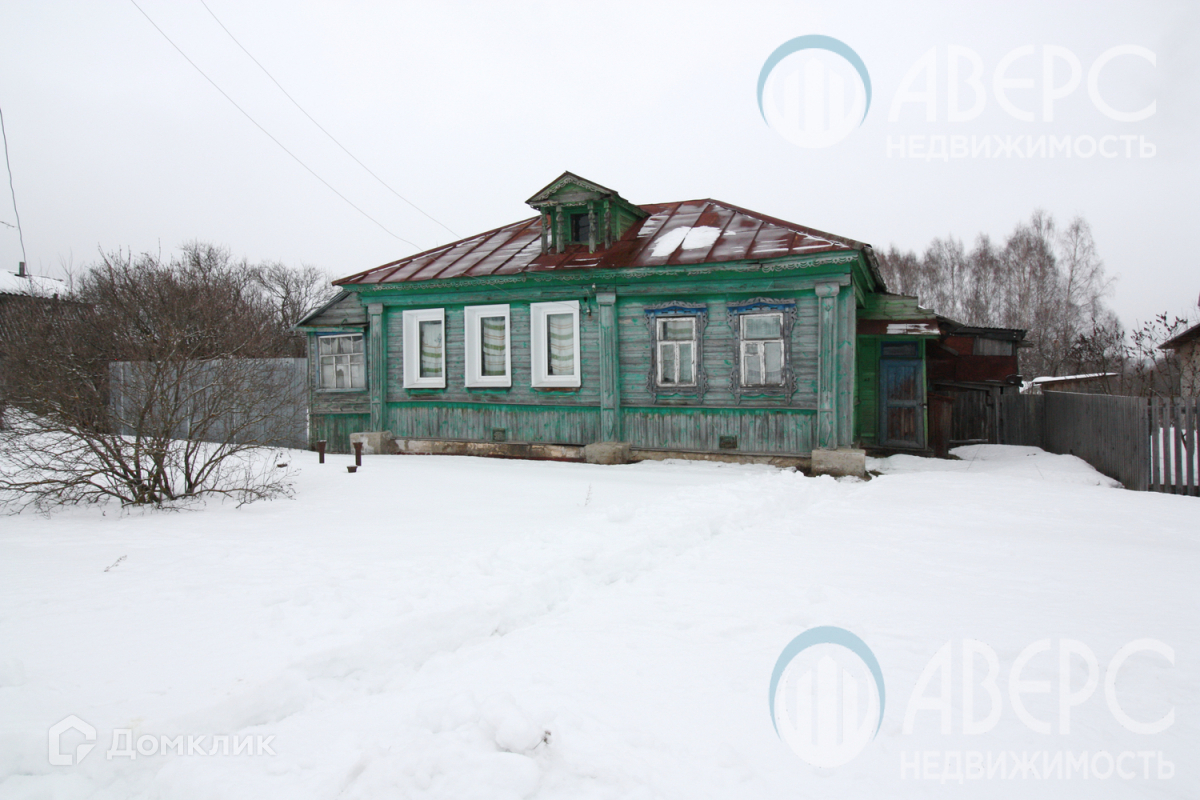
[(685, 328)]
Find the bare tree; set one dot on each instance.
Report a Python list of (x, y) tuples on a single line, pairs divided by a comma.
[(293, 294), (1148, 371), (194, 402), (1048, 281)]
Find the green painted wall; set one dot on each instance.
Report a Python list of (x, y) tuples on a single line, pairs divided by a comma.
[(456, 391), (866, 409), (477, 421), (762, 423), (758, 430), (335, 429), (717, 353)]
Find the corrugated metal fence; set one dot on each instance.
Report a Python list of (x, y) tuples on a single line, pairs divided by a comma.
[(260, 400), (1146, 444)]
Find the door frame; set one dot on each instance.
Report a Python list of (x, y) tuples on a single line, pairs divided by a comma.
[(917, 358)]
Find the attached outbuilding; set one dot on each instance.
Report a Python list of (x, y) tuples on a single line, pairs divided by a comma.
[(688, 328)]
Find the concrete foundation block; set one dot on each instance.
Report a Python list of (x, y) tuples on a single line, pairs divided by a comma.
[(608, 453), (840, 462), (375, 443)]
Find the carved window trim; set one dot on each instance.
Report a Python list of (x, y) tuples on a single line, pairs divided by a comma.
[(655, 312), (760, 305)]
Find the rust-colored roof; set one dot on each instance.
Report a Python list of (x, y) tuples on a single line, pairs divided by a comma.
[(688, 232)]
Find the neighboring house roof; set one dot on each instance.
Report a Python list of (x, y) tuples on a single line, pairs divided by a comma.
[(1064, 378), (688, 232), (1175, 342), (32, 285), (956, 328)]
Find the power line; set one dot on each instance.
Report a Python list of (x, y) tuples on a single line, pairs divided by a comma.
[(264, 130), (319, 125), (7, 163)]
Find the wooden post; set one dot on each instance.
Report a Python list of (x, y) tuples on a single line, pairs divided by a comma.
[(591, 207), (321, 452), (1177, 423), (610, 391), (358, 454), (826, 375), (376, 365), (1149, 405)]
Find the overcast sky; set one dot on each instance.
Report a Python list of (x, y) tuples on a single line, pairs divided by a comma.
[(466, 110)]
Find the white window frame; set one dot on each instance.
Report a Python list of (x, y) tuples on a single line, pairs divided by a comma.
[(320, 362), (412, 348), (761, 357), (473, 336), (539, 345), (659, 323)]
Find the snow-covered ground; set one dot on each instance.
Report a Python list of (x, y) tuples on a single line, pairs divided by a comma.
[(453, 627)]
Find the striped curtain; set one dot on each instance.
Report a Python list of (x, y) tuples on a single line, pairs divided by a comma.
[(431, 349), (492, 336), (562, 343)]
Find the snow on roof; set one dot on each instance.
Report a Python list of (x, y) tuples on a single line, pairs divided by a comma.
[(37, 285), (1059, 378)]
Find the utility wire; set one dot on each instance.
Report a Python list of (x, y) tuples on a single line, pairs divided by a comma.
[(7, 163), (319, 125), (268, 133)]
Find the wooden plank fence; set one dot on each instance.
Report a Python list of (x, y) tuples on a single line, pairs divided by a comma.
[(1148, 444), (1173, 438)]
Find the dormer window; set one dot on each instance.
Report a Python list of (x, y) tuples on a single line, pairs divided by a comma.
[(577, 211), (581, 228)]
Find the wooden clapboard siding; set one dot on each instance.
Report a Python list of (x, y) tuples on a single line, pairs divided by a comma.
[(757, 430), (335, 430), (866, 412), (762, 423), (456, 391), (342, 311), (717, 353), (477, 422)]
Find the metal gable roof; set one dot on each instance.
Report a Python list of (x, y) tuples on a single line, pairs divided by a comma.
[(687, 232)]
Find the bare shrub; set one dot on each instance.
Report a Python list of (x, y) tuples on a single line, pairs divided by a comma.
[(194, 403)]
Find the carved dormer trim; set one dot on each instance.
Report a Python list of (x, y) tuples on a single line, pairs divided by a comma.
[(568, 194)]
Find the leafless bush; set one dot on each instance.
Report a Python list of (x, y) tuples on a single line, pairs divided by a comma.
[(194, 403)]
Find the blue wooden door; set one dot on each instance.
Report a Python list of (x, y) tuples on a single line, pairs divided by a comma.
[(902, 406)]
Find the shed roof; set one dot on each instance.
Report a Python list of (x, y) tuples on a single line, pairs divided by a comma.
[(686, 232), (33, 285)]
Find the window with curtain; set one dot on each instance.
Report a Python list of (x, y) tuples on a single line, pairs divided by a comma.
[(493, 341), (431, 348), (676, 351), (488, 357), (560, 343), (424, 343), (762, 349), (341, 362), (554, 344)]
